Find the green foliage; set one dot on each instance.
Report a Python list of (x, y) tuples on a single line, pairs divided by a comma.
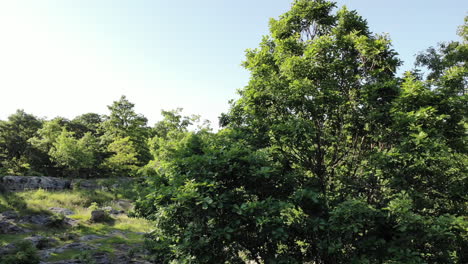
[(218, 179), (124, 158), (123, 123), (72, 153), (327, 157), (85, 257), (24, 253), (17, 156)]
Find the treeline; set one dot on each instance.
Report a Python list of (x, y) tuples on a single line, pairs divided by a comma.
[(90, 145)]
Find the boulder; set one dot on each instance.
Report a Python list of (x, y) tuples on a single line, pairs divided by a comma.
[(98, 216), (20, 183)]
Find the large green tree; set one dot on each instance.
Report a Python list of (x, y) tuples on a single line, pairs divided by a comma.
[(327, 157)]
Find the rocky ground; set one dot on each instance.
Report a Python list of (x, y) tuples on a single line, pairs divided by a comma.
[(73, 233)]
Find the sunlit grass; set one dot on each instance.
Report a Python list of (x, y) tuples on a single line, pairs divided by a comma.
[(79, 202)]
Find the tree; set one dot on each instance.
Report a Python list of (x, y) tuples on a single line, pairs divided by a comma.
[(89, 122), (72, 153), (328, 157), (124, 157), (173, 121), (17, 156), (124, 122)]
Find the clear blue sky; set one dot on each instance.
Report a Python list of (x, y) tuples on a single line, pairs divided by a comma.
[(65, 57)]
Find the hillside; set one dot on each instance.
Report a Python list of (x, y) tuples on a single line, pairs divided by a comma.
[(60, 227)]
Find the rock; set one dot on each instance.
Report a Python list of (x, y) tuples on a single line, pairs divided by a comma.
[(98, 216), (56, 221), (8, 215), (112, 211), (41, 242), (68, 261), (37, 219), (7, 249), (125, 204), (84, 184), (70, 222), (63, 211), (7, 227), (107, 208), (102, 258), (90, 237), (20, 183), (68, 236)]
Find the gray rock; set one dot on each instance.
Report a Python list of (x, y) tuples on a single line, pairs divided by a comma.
[(70, 222), (8, 227), (107, 208), (99, 216), (91, 237), (20, 183), (63, 211), (7, 249), (41, 242), (37, 219), (125, 204), (48, 220), (68, 261), (84, 184), (8, 215), (112, 211), (102, 258)]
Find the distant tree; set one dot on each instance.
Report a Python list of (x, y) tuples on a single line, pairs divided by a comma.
[(173, 121), (123, 122), (89, 122), (17, 156), (123, 160), (72, 153), (47, 135)]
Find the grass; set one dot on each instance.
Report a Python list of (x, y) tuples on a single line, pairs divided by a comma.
[(7, 239), (123, 230), (65, 255)]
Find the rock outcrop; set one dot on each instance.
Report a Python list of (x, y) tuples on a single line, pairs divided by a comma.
[(20, 183)]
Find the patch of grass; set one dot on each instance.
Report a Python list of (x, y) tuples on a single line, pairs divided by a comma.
[(7, 239), (123, 222), (42, 199), (65, 255)]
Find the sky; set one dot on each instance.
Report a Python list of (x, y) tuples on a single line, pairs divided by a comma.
[(66, 57)]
